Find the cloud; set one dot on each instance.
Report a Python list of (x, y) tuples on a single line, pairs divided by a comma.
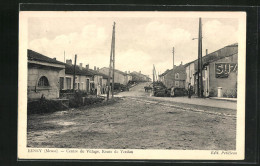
[(138, 46), (86, 43), (217, 35)]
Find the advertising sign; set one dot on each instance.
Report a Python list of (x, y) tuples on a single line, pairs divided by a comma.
[(222, 70)]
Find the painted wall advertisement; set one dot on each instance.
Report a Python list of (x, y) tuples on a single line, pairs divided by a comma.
[(222, 70)]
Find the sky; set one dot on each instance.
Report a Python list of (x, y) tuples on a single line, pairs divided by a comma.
[(140, 41)]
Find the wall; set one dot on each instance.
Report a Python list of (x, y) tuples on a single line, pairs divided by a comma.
[(169, 78), (228, 84), (190, 70), (52, 74), (118, 78)]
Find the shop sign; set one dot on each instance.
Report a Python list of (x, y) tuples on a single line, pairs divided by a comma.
[(222, 70)]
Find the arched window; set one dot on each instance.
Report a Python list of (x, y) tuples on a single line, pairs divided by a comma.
[(43, 81)]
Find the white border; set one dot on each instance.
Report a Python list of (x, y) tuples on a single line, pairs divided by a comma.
[(23, 151)]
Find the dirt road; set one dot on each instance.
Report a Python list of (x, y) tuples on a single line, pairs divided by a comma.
[(135, 122)]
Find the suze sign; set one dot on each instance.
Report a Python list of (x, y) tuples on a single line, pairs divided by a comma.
[(222, 70)]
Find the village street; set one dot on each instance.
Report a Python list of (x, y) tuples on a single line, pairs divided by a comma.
[(139, 121)]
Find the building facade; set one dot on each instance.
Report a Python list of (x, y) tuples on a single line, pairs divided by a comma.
[(139, 77), (175, 77), (212, 64), (43, 76), (119, 77)]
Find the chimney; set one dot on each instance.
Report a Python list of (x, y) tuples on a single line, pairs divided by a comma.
[(128, 72), (87, 66), (181, 62), (80, 66), (69, 61), (173, 57), (206, 51), (95, 68), (54, 59), (139, 72)]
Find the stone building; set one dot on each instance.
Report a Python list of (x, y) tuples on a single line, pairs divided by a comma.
[(119, 77), (82, 77), (85, 79), (139, 77), (225, 60), (174, 77), (44, 75)]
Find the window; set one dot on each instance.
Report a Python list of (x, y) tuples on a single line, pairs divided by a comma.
[(43, 81), (68, 81), (176, 83), (61, 83), (176, 75)]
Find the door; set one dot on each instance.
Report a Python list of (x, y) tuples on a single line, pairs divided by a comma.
[(87, 85)]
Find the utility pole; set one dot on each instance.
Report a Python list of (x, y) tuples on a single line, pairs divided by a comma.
[(113, 75), (172, 57), (74, 73), (199, 80), (111, 64), (153, 74)]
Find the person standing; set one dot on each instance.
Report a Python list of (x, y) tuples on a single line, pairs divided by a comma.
[(189, 90)]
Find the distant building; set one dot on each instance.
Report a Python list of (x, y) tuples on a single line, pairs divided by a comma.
[(219, 70), (174, 77), (82, 77), (139, 77), (119, 77), (44, 75), (85, 79)]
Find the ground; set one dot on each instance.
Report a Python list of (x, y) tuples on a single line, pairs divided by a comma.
[(137, 121)]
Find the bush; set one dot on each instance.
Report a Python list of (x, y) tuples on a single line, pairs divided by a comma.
[(76, 99), (43, 106)]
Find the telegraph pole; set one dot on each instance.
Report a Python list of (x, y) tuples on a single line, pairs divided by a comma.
[(153, 74), (199, 80), (113, 75), (111, 64), (201, 63), (74, 73), (172, 57)]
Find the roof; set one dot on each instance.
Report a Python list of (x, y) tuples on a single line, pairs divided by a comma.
[(214, 56), (118, 71), (95, 72), (32, 55), (69, 69), (164, 73), (139, 74)]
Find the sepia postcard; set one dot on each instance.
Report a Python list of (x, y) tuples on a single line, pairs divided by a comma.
[(135, 85)]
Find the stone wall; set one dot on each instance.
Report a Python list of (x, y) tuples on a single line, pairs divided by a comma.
[(49, 92)]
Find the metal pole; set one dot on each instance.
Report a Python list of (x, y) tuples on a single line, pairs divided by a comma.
[(74, 77)]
